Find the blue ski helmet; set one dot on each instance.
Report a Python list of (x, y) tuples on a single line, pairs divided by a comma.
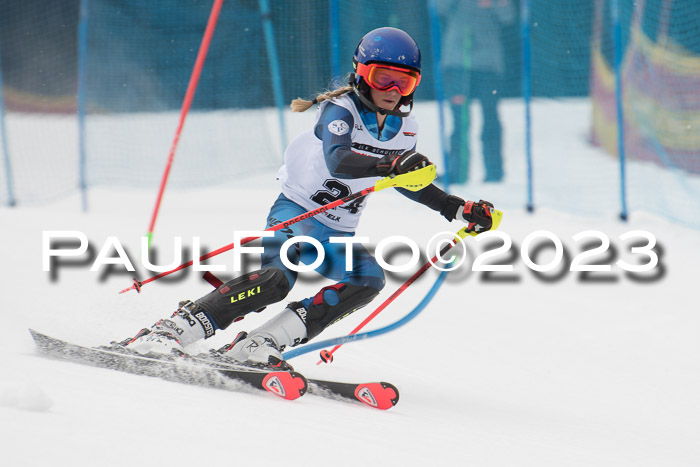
[(392, 47), (388, 45)]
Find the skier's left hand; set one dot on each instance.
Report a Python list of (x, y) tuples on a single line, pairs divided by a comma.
[(397, 165), (477, 215)]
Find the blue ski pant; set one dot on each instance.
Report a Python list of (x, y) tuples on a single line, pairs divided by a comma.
[(365, 270)]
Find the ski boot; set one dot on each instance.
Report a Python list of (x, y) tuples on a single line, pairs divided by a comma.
[(263, 347), (170, 336)]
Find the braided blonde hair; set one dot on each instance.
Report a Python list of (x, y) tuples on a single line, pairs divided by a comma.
[(301, 105)]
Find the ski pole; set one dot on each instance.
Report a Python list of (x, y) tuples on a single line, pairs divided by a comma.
[(327, 355), (412, 181)]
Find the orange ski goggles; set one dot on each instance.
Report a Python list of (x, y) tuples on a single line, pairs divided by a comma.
[(385, 77)]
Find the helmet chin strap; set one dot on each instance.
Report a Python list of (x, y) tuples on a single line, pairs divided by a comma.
[(374, 108)]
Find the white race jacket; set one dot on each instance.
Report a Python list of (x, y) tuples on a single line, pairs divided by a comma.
[(307, 181)]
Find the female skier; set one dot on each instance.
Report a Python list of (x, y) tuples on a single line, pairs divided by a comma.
[(360, 135)]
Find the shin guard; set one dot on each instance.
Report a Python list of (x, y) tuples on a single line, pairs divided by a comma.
[(251, 292), (331, 304)]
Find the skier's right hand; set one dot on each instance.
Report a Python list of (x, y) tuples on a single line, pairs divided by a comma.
[(396, 165)]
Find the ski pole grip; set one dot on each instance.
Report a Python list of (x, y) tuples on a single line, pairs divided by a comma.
[(496, 217), (413, 181)]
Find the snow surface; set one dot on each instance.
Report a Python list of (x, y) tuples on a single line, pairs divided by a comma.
[(508, 368)]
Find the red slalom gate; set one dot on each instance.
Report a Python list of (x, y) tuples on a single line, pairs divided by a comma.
[(187, 102)]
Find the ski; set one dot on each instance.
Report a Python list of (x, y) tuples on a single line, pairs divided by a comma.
[(380, 395), (288, 385), (216, 370)]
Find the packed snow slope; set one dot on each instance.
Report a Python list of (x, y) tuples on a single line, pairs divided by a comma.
[(505, 368)]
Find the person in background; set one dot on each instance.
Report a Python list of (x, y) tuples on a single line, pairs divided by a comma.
[(473, 64)]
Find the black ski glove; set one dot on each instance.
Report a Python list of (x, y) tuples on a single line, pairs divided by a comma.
[(477, 216), (397, 165)]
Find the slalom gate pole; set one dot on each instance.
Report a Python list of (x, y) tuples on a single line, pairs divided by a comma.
[(5, 148), (526, 38), (83, 25), (413, 181), (436, 38), (187, 102)]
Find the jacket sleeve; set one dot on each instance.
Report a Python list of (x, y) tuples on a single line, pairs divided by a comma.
[(435, 199), (334, 128)]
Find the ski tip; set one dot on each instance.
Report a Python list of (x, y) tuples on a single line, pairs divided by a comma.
[(35, 334), (42, 341), (288, 385), (381, 396)]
